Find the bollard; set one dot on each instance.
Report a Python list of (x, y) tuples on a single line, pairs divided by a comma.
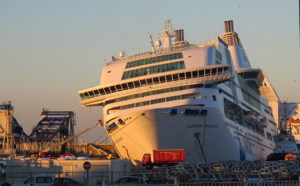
[(103, 182)]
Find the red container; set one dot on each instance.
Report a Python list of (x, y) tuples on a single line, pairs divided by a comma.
[(168, 156)]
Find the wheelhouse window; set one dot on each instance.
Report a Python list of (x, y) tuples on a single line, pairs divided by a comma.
[(96, 92), (218, 55), (153, 69), (113, 89), (91, 94), (154, 60), (107, 90)]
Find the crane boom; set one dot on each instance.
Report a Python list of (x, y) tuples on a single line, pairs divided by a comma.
[(45, 151)]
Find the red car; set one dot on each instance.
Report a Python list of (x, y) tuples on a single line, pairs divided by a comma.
[(277, 176)]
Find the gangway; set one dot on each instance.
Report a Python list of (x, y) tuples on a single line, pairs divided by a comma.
[(45, 152)]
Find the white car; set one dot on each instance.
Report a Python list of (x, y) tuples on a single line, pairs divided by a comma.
[(254, 178), (37, 180)]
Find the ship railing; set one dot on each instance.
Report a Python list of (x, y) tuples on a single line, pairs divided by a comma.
[(161, 51), (157, 52), (204, 79)]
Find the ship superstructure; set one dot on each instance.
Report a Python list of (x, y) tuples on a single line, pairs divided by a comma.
[(203, 98)]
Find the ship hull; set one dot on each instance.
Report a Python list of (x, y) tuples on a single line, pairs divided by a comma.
[(155, 129)]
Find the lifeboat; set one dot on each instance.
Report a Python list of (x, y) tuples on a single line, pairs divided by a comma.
[(262, 123), (249, 116)]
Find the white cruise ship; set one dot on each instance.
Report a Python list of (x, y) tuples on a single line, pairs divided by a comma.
[(203, 98)]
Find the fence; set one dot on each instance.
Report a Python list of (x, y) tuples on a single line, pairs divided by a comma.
[(101, 178)]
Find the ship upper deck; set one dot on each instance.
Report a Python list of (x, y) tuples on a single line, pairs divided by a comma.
[(160, 51), (213, 74)]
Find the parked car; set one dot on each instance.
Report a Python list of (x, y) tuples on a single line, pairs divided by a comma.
[(37, 180), (144, 176), (130, 180), (229, 177), (267, 177), (66, 182), (294, 175), (199, 170), (218, 167), (253, 178), (285, 173), (208, 178), (264, 171), (277, 176)]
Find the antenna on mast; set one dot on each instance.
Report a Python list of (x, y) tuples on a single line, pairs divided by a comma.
[(151, 41)]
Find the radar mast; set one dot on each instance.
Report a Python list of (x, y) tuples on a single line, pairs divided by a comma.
[(167, 35)]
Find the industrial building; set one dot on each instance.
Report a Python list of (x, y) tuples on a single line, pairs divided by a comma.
[(11, 133), (53, 132)]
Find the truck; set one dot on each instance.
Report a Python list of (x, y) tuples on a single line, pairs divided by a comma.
[(163, 157)]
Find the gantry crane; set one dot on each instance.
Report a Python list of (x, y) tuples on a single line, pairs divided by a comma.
[(45, 152)]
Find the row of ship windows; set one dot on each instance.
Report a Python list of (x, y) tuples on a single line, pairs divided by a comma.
[(203, 112), (238, 119), (154, 69), (153, 60), (269, 136), (255, 137), (150, 93), (154, 80), (218, 55), (249, 134), (268, 112), (155, 101), (251, 144)]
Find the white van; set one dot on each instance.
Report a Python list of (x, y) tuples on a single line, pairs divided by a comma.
[(38, 180)]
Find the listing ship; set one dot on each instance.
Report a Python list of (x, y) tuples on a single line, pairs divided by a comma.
[(205, 99)]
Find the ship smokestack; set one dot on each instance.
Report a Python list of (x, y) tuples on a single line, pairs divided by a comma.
[(179, 35), (238, 54), (228, 25)]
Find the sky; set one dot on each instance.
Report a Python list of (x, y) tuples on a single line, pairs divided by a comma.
[(50, 50)]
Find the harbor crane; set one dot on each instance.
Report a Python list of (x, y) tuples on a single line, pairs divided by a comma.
[(45, 152)]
